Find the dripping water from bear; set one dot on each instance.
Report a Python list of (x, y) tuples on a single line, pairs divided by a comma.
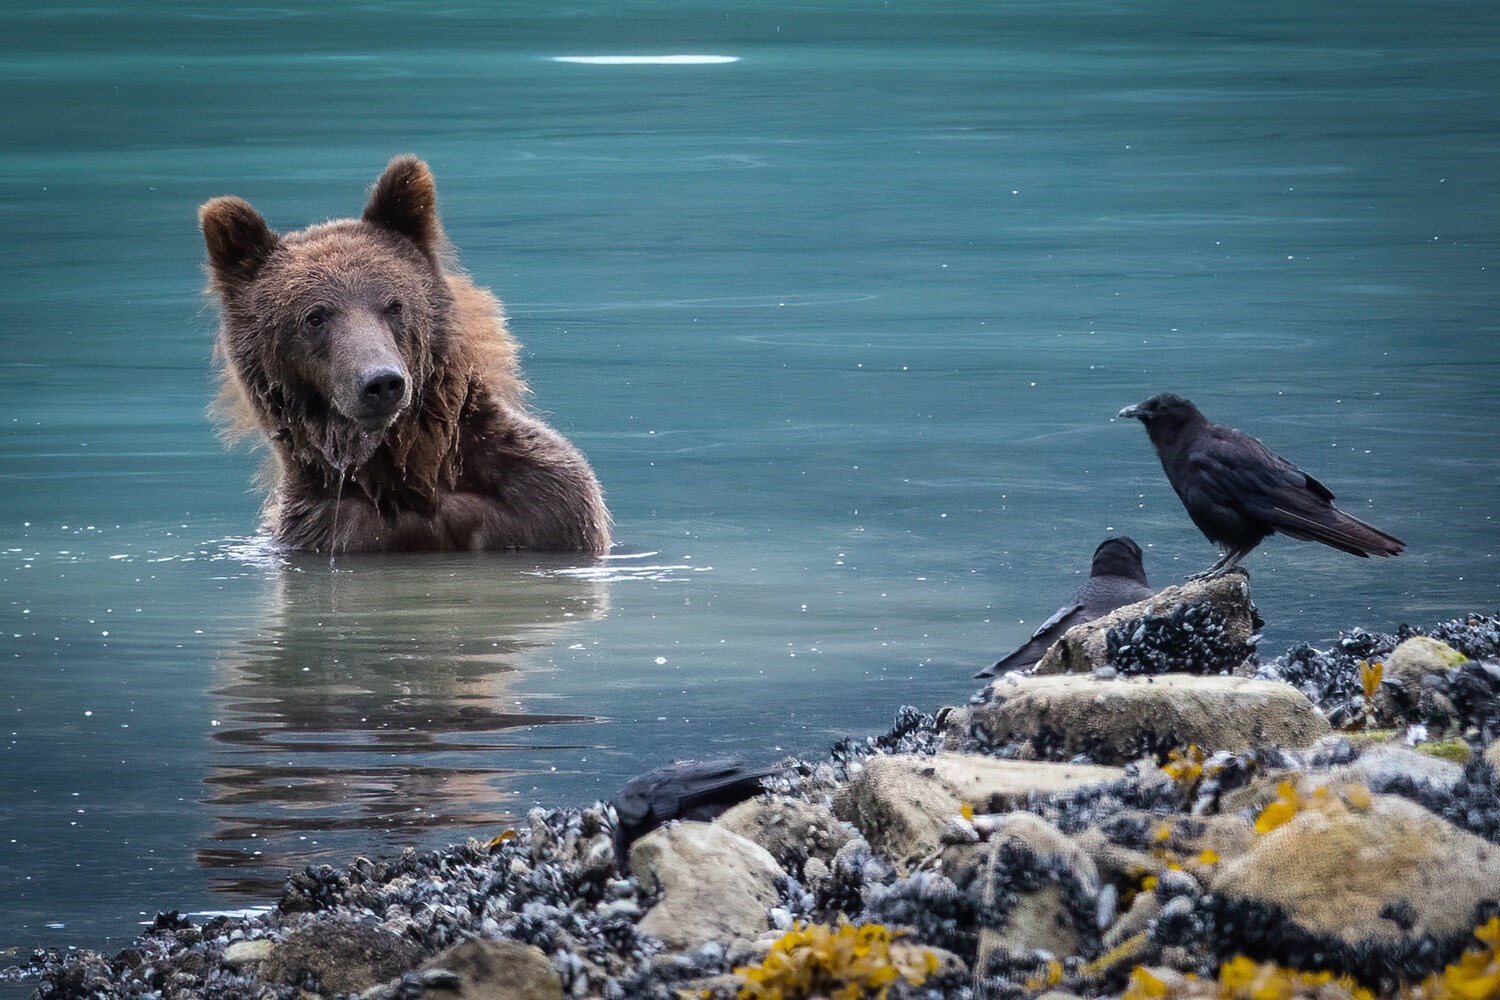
[(333, 535)]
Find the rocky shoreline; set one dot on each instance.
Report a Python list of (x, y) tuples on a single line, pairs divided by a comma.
[(1151, 813)]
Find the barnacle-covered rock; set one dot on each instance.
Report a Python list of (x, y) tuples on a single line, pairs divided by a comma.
[(929, 904), (1418, 656), (902, 804), (1202, 627), (1372, 886), (1117, 862), (1472, 804), (791, 829), (1119, 720), (1040, 894), (342, 956), (1143, 910), (493, 970), (1406, 693), (1348, 855), (1221, 837), (1386, 764), (716, 885)]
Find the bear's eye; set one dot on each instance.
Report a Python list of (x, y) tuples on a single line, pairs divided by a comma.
[(316, 318), (394, 307)]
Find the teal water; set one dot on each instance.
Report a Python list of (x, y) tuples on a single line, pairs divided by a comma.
[(841, 325)]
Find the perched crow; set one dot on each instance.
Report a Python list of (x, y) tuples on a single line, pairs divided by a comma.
[(684, 789), (1238, 491), (1117, 579)]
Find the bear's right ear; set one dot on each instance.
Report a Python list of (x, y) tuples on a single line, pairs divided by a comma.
[(238, 240), (404, 201)]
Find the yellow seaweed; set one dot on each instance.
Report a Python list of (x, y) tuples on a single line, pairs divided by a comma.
[(846, 963)]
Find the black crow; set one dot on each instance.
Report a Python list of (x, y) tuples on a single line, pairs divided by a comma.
[(1117, 579), (684, 789), (1238, 491)]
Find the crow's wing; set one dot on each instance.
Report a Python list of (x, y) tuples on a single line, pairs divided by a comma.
[(1233, 470), (669, 791), (1041, 640), (695, 782), (1052, 625), (1235, 480)]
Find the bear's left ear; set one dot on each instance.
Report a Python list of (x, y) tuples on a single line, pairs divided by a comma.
[(404, 201)]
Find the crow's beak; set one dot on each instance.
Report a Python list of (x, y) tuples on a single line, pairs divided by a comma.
[(1129, 411)]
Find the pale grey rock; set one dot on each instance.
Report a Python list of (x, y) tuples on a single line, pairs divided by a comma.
[(903, 804), (1358, 875), (1111, 720), (247, 952), (1382, 764), (716, 885), (493, 970)]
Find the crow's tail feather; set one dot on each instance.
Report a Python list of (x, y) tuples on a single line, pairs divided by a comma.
[(1342, 531)]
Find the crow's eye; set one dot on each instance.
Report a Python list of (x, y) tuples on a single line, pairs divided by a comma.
[(316, 318), (394, 308)]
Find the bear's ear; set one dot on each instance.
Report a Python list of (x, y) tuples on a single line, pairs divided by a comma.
[(404, 201), (238, 240)]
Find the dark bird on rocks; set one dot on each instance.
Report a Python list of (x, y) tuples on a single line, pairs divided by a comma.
[(1116, 579), (684, 789), (1238, 491)]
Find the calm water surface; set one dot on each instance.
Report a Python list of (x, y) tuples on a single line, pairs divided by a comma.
[(841, 324)]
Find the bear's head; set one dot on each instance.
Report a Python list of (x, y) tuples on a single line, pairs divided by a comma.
[(330, 333)]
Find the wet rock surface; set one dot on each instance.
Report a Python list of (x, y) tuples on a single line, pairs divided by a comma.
[(1055, 837)]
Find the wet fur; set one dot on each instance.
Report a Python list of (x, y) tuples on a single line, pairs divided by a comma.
[(464, 465)]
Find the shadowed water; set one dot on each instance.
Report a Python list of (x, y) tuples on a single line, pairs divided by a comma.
[(841, 319)]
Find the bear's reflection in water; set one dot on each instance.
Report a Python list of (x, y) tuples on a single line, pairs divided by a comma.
[(372, 703)]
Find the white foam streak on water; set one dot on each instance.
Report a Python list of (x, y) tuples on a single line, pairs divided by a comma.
[(621, 574), (257, 551), (672, 60)]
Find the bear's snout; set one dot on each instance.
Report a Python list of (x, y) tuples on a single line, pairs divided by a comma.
[(383, 392), (371, 383)]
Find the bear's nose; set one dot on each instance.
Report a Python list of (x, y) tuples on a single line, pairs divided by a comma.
[(384, 389)]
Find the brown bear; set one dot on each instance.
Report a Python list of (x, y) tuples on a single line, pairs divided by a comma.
[(387, 385)]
